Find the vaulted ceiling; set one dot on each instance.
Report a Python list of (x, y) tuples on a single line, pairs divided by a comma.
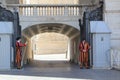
[(67, 30)]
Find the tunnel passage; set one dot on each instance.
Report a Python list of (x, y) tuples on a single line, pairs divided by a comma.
[(69, 33)]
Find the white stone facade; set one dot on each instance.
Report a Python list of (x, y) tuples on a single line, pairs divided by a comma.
[(111, 17)]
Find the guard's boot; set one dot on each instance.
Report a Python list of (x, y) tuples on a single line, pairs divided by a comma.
[(86, 66), (81, 66)]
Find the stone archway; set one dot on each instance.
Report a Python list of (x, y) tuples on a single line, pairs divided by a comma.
[(72, 33)]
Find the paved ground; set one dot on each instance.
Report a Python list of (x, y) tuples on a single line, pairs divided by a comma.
[(58, 71)]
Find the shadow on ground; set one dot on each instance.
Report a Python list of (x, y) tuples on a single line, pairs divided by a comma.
[(63, 69)]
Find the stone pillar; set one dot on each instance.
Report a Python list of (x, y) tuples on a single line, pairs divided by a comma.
[(112, 18)]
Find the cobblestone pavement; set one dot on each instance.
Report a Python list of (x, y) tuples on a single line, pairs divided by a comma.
[(58, 71)]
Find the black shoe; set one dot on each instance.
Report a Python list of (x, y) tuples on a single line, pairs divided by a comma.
[(18, 67), (87, 68), (81, 67)]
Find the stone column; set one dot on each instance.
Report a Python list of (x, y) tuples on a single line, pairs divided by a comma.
[(112, 18)]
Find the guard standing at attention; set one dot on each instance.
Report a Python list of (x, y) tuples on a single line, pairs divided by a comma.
[(19, 46), (83, 57)]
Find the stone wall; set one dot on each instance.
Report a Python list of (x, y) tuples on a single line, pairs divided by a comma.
[(88, 1), (2, 1), (50, 43), (112, 18), (50, 1), (12, 1)]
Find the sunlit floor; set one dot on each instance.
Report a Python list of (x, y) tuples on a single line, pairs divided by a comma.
[(51, 57), (19, 77)]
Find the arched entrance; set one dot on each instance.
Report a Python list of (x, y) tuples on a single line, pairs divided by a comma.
[(52, 30), (50, 47)]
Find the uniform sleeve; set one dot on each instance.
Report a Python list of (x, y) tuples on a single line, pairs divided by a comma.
[(16, 44), (22, 44), (80, 47), (88, 46)]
